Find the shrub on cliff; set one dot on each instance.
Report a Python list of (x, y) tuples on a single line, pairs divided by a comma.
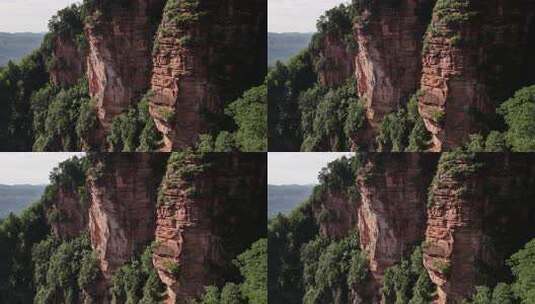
[(332, 269), (329, 117), (408, 282), (134, 130), (137, 281)]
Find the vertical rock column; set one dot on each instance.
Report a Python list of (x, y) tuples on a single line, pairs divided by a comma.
[(392, 215), (388, 63), (476, 54), (211, 208), (119, 63), (123, 188), (479, 209), (206, 54)]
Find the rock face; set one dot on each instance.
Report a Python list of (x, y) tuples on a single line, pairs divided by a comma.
[(388, 62), (336, 61), (206, 53), (210, 208), (392, 215), (69, 61), (478, 217), (123, 189), (336, 214), (119, 62), (473, 62), (71, 211)]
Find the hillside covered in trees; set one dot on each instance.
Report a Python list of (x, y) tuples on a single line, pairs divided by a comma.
[(409, 76), (141, 228), (410, 229), (141, 75)]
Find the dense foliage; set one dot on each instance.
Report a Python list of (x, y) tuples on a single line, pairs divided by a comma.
[(137, 281), (521, 290), (249, 114), (58, 124), (18, 234), (333, 269), (253, 266), (404, 130), (134, 130), (64, 271), (330, 117), (408, 282)]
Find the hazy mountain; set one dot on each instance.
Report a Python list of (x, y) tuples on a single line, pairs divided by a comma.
[(17, 197), (284, 198), (282, 46), (14, 46)]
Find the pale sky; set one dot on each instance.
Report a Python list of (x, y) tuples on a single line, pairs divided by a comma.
[(297, 15), (29, 168), (300, 168), (29, 15)]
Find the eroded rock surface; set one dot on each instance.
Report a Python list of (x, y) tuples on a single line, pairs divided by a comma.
[(204, 62), (119, 62), (476, 54), (210, 208), (392, 215), (388, 62), (123, 189), (478, 214)]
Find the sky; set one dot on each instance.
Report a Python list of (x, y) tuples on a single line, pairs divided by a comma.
[(29, 168), (29, 15), (298, 168), (297, 15)]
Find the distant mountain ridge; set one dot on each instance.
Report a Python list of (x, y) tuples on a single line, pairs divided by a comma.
[(282, 46), (17, 197), (284, 198), (14, 46)]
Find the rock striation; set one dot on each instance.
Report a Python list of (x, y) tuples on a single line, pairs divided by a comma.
[(462, 58), (392, 214), (119, 64), (202, 61), (123, 189), (476, 54), (208, 211), (388, 61), (477, 218)]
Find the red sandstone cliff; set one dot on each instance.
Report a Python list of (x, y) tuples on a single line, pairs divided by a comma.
[(392, 214), (119, 61), (472, 62), (477, 218), (205, 55), (336, 61), (388, 62), (123, 189), (68, 213), (336, 213), (69, 61), (208, 211)]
